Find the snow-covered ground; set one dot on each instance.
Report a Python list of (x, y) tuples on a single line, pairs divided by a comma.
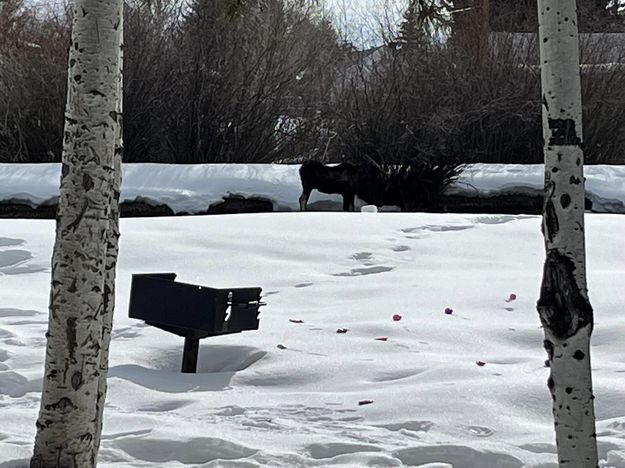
[(255, 404), (193, 188)]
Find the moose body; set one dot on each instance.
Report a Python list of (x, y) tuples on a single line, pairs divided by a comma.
[(367, 181)]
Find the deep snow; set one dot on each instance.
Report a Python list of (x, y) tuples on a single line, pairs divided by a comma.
[(253, 404), (193, 188)]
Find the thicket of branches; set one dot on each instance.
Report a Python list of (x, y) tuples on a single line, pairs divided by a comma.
[(276, 83), (203, 86), (33, 71)]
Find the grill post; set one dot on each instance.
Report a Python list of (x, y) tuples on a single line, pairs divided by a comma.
[(189, 355)]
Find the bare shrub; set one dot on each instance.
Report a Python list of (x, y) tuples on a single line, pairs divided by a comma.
[(199, 86), (447, 103), (247, 89), (33, 63), (431, 102), (603, 104), (149, 79)]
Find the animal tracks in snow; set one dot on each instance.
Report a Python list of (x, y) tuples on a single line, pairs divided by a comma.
[(540, 448), (27, 325), (14, 261), (13, 257), (15, 385), (366, 258), (374, 270), (480, 431), (413, 426), (10, 312), (164, 406), (500, 219), (369, 267), (437, 228), (495, 219), (11, 242), (126, 333)]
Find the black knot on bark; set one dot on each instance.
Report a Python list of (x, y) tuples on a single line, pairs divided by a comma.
[(563, 133), (551, 224), (565, 200), (76, 380), (549, 348), (64, 404), (562, 307)]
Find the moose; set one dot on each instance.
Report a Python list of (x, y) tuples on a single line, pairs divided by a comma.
[(367, 181), (415, 185)]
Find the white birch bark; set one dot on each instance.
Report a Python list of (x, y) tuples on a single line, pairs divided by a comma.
[(112, 250), (564, 307), (68, 421)]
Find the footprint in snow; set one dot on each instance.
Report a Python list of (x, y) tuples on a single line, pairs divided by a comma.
[(414, 426), (11, 312), (437, 228), (13, 257), (126, 332), (366, 258), (539, 448), (15, 261), (499, 219), (480, 431), (27, 322), (164, 406), (11, 242), (16, 385), (494, 219), (230, 411), (374, 270)]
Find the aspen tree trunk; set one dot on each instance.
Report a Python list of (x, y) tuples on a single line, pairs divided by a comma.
[(112, 249), (69, 420), (563, 306)]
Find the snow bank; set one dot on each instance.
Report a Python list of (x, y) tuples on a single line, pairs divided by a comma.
[(605, 185), (193, 188)]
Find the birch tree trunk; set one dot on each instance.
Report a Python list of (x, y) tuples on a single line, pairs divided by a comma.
[(112, 249), (563, 306), (69, 419)]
